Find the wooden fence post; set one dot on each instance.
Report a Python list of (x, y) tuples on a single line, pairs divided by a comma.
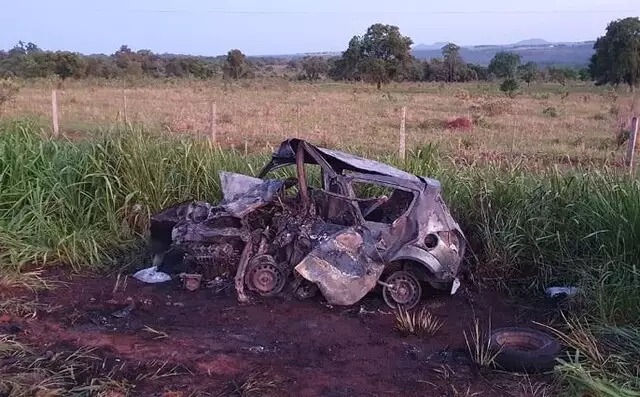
[(125, 118), (212, 123), (54, 112), (631, 150), (403, 147), (298, 121)]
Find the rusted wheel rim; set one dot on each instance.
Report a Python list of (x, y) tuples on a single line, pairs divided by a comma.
[(266, 279), (405, 290)]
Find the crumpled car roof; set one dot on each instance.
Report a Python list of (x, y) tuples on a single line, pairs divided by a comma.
[(286, 154)]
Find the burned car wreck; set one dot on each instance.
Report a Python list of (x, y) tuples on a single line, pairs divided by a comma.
[(365, 224)]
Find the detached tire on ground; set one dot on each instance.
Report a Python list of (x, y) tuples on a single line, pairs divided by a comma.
[(524, 349)]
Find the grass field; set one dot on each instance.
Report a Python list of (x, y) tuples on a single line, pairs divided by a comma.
[(545, 124), (85, 202)]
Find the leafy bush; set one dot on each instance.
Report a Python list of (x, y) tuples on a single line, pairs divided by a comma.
[(509, 86), (550, 111)]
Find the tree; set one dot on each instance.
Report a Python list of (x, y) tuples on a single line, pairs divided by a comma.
[(504, 64), (435, 70), (314, 67), (150, 63), (375, 71), (452, 60), (528, 72), (415, 72), (380, 56), (124, 56), (617, 54), (481, 72), (236, 65), (584, 75), (562, 74), (68, 64), (100, 66), (293, 65), (37, 64)]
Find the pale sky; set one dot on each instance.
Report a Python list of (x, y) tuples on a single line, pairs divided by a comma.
[(259, 27)]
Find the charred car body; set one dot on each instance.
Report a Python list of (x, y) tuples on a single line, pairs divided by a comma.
[(365, 224)]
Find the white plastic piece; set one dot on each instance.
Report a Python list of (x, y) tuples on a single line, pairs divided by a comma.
[(556, 291), (151, 275), (455, 286)]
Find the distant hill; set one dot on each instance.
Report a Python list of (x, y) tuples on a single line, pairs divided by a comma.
[(535, 50), (429, 47), (532, 42)]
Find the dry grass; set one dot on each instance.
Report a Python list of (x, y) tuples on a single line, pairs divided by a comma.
[(83, 372), (33, 281), (22, 307), (255, 384), (419, 322), (26, 373), (264, 112), (478, 344)]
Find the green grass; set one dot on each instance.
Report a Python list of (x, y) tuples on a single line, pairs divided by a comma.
[(86, 204), (81, 203)]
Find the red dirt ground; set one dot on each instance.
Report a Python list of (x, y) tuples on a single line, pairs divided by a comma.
[(461, 123), (311, 349)]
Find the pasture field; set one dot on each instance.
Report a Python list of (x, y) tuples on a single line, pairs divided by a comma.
[(544, 124), (537, 185)]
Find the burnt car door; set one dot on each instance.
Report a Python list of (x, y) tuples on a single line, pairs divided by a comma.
[(343, 262)]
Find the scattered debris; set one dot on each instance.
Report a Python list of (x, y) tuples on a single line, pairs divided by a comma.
[(257, 349), (120, 285), (158, 334), (191, 282), (554, 292), (151, 275), (122, 313), (365, 222), (455, 285), (357, 311), (218, 284)]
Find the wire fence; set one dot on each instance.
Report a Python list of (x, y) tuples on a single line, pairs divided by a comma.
[(227, 123), (258, 119)]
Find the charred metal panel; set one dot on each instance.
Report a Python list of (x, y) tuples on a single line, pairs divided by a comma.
[(344, 266)]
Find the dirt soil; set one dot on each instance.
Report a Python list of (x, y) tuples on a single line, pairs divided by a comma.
[(200, 342)]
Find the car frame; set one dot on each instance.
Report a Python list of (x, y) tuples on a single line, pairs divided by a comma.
[(354, 243)]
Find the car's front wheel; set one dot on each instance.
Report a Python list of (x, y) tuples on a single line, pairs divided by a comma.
[(402, 289)]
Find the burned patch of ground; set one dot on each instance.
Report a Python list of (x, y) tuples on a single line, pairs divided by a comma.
[(156, 339)]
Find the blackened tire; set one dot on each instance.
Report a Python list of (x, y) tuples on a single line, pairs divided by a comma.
[(524, 349)]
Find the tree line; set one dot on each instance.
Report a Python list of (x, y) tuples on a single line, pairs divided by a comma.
[(27, 60), (379, 56)]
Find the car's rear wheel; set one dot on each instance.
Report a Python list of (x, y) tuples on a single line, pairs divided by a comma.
[(402, 289)]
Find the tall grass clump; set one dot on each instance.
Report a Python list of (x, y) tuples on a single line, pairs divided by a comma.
[(530, 230), (78, 203)]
